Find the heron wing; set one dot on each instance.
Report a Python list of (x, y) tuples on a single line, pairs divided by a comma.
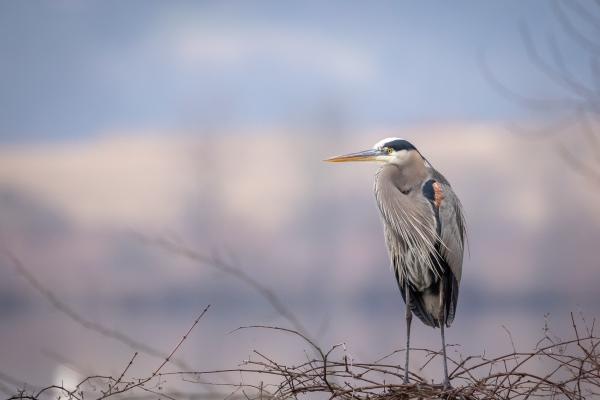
[(452, 230), (452, 235)]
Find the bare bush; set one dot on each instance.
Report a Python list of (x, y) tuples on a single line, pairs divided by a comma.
[(556, 369)]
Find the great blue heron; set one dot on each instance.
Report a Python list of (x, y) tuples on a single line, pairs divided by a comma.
[(424, 233)]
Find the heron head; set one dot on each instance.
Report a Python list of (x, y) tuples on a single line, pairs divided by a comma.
[(389, 150)]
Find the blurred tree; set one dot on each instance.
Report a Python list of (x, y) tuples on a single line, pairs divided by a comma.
[(577, 103)]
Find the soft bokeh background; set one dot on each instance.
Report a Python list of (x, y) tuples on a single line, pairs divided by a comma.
[(206, 123)]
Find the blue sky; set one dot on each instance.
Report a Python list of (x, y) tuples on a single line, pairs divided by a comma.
[(78, 69)]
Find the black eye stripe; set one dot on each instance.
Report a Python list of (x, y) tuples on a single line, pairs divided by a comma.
[(400, 144)]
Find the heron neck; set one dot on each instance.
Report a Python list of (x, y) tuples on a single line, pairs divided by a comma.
[(409, 175)]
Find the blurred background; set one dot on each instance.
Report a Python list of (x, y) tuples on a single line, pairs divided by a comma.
[(205, 123)]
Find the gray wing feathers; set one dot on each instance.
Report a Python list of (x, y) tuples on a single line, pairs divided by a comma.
[(453, 235), (452, 231)]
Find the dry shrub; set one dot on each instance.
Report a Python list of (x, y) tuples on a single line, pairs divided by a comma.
[(570, 369)]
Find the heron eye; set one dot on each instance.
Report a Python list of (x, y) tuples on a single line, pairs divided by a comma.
[(389, 150)]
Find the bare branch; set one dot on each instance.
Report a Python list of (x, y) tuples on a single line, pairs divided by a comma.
[(217, 263), (82, 321)]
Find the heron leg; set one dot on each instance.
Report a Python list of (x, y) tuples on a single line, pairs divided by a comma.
[(446, 380), (408, 321)]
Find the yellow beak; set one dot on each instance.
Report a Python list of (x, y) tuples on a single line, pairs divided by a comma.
[(367, 155)]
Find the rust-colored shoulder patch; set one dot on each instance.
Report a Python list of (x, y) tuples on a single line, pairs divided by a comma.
[(438, 194)]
